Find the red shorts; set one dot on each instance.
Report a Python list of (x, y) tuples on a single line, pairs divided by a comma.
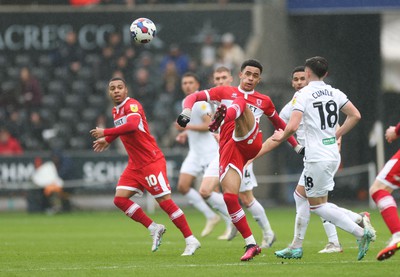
[(236, 153), (152, 177), (390, 173)]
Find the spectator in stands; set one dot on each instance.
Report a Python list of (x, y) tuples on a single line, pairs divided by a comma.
[(122, 65), (30, 92), (130, 54), (69, 54), (171, 82), (8, 97), (115, 42), (146, 60), (144, 91), (208, 51), (8, 144), (176, 56), (35, 128), (231, 55), (16, 122), (106, 59)]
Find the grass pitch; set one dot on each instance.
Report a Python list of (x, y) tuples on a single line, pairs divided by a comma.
[(110, 244)]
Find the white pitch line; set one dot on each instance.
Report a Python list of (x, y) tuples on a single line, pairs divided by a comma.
[(283, 262)]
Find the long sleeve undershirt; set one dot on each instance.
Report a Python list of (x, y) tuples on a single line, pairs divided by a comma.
[(131, 125)]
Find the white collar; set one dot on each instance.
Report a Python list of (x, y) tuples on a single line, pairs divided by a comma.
[(122, 104), (246, 93)]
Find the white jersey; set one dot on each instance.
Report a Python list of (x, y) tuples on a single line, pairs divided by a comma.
[(320, 104), (201, 143), (285, 115)]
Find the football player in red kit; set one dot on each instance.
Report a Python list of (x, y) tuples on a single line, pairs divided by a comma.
[(240, 138), (387, 181), (146, 169)]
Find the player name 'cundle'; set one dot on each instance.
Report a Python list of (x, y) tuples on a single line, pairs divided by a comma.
[(321, 93)]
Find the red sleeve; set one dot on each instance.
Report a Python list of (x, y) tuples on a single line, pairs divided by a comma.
[(397, 130), (110, 139), (132, 124), (193, 98), (280, 124)]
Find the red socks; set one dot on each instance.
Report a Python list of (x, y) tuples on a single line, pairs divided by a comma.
[(177, 216), (237, 214), (235, 110), (388, 208), (132, 210)]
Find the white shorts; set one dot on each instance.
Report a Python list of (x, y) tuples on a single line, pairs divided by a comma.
[(318, 177), (249, 180), (194, 164), (212, 168), (301, 179)]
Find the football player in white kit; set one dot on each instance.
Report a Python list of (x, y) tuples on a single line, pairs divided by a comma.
[(202, 149), (302, 207), (222, 77), (318, 106)]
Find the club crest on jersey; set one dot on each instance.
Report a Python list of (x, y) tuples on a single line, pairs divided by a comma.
[(234, 95), (259, 102), (134, 108)]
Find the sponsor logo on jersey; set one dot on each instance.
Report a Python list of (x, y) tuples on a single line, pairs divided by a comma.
[(134, 108), (293, 101), (329, 141), (119, 121)]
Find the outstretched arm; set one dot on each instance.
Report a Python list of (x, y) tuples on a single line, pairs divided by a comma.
[(188, 102), (292, 126), (280, 124), (267, 146), (131, 125)]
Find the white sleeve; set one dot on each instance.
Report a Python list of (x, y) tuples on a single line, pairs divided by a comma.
[(286, 112)]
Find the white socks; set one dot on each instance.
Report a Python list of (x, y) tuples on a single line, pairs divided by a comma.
[(337, 216), (216, 201), (330, 231), (259, 215), (301, 221), (198, 202)]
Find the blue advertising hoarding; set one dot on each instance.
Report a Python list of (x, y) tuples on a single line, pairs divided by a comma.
[(343, 6)]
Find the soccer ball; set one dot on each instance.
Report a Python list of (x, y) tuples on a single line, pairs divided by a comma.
[(143, 30)]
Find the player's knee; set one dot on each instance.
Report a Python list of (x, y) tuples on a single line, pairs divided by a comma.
[(119, 202), (205, 192), (246, 201), (183, 189), (377, 185)]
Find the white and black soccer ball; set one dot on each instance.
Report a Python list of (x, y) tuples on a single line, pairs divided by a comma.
[(143, 30)]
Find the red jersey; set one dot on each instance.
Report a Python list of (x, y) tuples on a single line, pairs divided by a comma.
[(258, 103), (140, 145)]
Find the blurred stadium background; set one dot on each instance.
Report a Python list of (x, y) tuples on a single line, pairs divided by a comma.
[(72, 49)]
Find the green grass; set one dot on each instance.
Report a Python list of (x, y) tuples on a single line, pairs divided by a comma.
[(110, 244)]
